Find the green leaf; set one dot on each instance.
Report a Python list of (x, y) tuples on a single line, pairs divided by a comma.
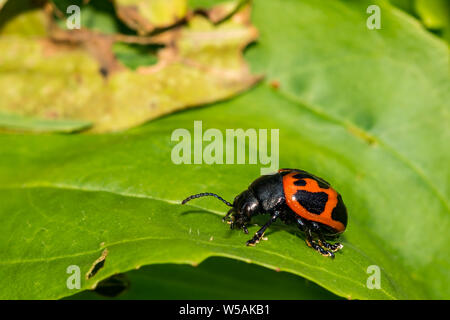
[(434, 13), (364, 109), (405, 5), (215, 278), (133, 56), (16, 122)]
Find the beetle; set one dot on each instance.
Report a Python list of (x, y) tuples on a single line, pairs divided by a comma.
[(295, 197)]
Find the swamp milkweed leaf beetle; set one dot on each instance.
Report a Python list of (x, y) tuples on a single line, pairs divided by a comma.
[(295, 197)]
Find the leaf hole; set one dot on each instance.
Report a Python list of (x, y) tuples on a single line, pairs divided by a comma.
[(97, 265)]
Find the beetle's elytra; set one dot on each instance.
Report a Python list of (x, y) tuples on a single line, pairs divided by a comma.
[(295, 197)]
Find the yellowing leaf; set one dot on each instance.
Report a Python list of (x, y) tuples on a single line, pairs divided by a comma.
[(145, 16), (61, 80)]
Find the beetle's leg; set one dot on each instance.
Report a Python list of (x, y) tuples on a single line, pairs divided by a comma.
[(227, 215), (332, 247), (313, 244), (322, 242), (260, 233), (301, 224), (238, 223)]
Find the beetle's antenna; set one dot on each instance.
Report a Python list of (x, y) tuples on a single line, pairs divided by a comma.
[(205, 194)]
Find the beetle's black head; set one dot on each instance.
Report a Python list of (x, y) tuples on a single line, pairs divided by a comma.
[(245, 205)]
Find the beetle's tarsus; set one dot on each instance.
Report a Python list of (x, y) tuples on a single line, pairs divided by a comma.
[(319, 247), (252, 242), (256, 238), (331, 247)]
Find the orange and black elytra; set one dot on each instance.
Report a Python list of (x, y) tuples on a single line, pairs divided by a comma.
[(293, 196)]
